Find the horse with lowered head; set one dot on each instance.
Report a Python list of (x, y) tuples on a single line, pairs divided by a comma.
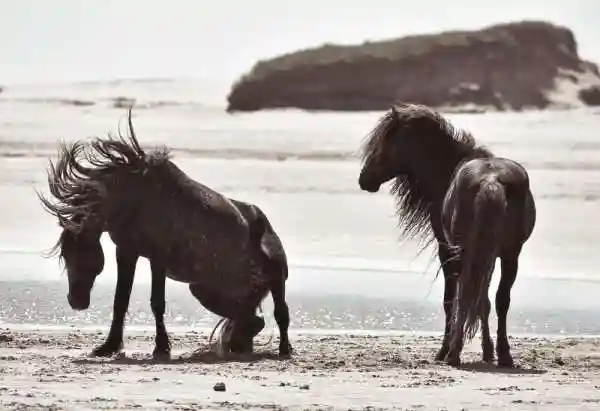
[(226, 250), (477, 206)]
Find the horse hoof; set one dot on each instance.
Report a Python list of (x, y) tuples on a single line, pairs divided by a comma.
[(161, 355), (453, 360), (441, 355), (285, 350), (107, 350), (506, 362), (487, 358)]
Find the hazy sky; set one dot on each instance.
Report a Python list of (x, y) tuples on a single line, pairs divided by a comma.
[(63, 40)]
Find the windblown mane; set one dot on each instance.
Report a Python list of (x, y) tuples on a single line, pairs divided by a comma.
[(415, 120), (78, 180)]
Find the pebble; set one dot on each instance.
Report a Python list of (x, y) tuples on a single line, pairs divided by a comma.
[(6, 338), (220, 386)]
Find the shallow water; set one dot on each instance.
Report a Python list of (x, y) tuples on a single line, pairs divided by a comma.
[(302, 170)]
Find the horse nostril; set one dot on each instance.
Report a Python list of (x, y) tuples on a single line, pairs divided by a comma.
[(367, 184)]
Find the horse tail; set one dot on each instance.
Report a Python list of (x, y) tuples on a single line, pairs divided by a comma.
[(489, 211)]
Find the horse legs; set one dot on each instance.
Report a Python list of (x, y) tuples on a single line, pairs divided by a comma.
[(247, 324), (281, 313), (451, 269), (162, 345), (510, 266), (457, 330), (486, 340), (126, 263)]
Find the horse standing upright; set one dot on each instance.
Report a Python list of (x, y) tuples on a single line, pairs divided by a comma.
[(226, 250), (477, 206)]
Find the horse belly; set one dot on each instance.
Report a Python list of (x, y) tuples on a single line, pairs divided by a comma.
[(219, 274)]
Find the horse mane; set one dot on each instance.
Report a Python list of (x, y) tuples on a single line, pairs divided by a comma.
[(419, 121), (78, 180)]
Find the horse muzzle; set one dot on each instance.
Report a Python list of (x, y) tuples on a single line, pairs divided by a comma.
[(79, 302), (367, 184)]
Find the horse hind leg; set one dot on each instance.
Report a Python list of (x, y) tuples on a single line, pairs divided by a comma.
[(487, 345), (457, 343), (274, 262), (510, 266), (276, 272), (281, 313), (246, 324), (457, 330)]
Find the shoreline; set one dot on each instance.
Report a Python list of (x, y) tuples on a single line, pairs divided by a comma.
[(137, 329), (46, 370)]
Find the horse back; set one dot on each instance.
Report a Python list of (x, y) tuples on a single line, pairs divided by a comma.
[(475, 177)]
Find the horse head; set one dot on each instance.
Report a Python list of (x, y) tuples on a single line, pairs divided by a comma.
[(83, 258), (391, 149), (91, 182)]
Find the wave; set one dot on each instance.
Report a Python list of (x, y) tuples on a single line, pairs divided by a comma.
[(118, 102), (12, 148), (145, 93), (337, 265)]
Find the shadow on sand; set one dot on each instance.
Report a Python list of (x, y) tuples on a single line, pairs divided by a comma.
[(203, 357), (491, 368)]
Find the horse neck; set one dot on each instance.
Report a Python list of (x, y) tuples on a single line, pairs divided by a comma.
[(122, 202), (435, 181)]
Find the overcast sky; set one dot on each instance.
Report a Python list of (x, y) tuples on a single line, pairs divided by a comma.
[(71, 40)]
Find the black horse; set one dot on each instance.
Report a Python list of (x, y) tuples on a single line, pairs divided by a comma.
[(477, 206), (226, 250)]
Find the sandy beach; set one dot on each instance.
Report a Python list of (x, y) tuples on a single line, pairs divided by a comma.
[(50, 369), (348, 268)]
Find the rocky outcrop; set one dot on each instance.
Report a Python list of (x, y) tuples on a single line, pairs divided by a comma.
[(590, 95), (513, 66)]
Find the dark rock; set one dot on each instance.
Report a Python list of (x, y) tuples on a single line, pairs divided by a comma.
[(502, 67), (590, 96), (123, 102), (220, 387)]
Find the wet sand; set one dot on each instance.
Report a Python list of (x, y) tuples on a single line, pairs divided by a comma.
[(50, 369)]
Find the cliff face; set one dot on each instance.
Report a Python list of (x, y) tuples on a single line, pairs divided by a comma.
[(506, 67)]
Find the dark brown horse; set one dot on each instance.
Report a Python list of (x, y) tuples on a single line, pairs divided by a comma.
[(226, 250), (477, 206)]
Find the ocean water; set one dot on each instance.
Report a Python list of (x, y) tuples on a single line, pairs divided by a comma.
[(349, 269)]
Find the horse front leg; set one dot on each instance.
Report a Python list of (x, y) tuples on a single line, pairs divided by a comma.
[(126, 263), (510, 266), (162, 345), (451, 268)]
